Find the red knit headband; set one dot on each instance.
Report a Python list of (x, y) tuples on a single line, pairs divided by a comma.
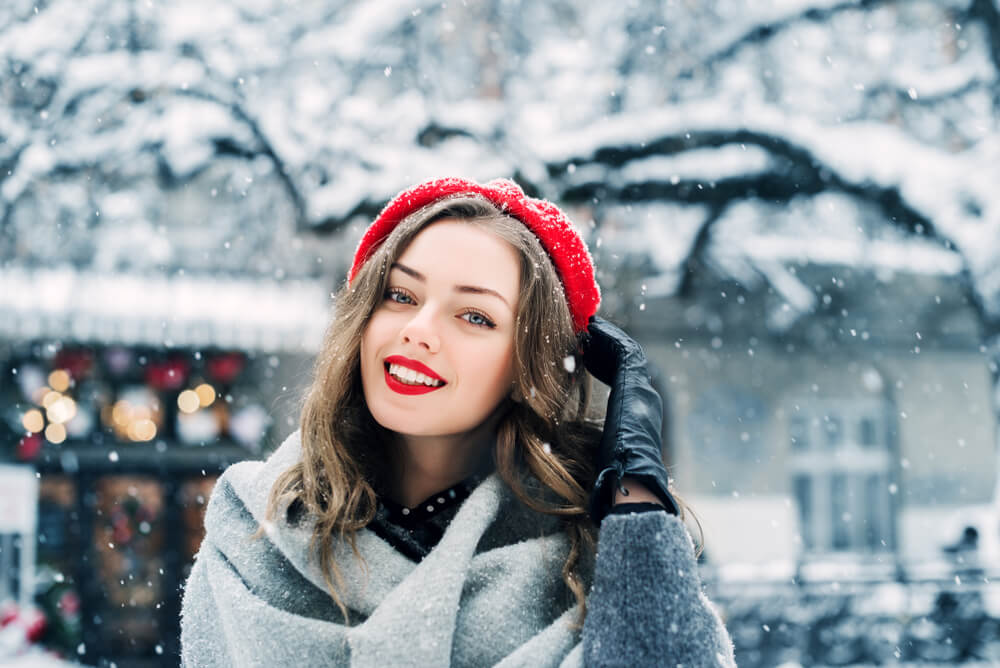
[(560, 240)]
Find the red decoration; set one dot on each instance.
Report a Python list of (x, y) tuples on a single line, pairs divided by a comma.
[(34, 624), (69, 603), (121, 530), (8, 613), (169, 375), (28, 447), (224, 368), (78, 363), (31, 623), (561, 241)]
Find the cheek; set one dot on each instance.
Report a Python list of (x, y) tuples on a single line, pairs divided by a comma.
[(497, 370)]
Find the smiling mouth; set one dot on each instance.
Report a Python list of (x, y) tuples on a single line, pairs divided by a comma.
[(403, 380)]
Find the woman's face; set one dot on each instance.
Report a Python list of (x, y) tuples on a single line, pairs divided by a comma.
[(448, 314)]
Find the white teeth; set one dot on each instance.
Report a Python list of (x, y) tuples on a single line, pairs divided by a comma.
[(412, 377)]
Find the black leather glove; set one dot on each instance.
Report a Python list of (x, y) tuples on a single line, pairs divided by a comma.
[(630, 445)]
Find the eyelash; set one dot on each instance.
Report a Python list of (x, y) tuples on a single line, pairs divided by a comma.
[(487, 324)]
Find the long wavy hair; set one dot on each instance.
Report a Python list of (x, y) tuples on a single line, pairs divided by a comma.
[(545, 442)]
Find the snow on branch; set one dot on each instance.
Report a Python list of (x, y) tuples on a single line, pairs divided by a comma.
[(799, 13), (922, 189)]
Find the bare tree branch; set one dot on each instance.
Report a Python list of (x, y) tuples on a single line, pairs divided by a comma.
[(796, 172), (904, 96), (985, 13), (764, 32)]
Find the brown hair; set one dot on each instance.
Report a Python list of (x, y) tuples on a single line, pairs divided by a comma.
[(545, 443)]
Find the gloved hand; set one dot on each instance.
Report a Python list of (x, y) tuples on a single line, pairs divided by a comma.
[(630, 445)]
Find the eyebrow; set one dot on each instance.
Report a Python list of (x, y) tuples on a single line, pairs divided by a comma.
[(471, 289)]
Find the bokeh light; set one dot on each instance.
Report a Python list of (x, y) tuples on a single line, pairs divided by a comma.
[(142, 430), (50, 397), (55, 433), (206, 394), (188, 401), (59, 380), (62, 410), (33, 421)]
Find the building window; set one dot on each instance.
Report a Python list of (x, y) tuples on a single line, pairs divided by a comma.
[(875, 485), (798, 432), (842, 486), (802, 488), (834, 431), (840, 517), (867, 433)]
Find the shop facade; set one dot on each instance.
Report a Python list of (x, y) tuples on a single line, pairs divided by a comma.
[(126, 435)]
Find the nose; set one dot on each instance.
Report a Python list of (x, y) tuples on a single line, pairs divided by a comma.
[(420, 330)]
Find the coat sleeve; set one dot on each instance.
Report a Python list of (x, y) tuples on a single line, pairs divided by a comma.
[(646, 606)]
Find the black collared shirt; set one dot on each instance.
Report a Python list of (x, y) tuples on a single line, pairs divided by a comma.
[(415, 531)]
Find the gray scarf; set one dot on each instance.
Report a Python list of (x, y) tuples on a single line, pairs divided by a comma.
[(490, 593)]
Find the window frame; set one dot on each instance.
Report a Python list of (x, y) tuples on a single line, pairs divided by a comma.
[(861, 518)]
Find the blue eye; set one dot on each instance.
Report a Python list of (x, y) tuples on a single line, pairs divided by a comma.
[(397, 295), (478, 319)]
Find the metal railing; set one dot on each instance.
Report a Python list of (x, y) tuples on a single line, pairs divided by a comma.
[(950, 619)]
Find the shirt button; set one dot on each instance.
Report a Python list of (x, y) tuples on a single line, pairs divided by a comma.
[(430, 509), (440, 499), (406, 511)]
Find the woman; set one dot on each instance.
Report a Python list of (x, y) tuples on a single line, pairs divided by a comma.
[(441, 501)]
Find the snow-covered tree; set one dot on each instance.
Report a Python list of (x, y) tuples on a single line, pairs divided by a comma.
[(314, 113), (147, 135)]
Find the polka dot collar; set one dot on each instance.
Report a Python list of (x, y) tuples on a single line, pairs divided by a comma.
[(432, 505)]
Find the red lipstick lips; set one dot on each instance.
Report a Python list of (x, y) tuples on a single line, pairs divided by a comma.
[(403, 388)]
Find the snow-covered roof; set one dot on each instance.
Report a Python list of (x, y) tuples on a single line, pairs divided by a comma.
[(189, 311)]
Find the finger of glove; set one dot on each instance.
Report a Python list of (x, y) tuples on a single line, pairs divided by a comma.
[(601, 352), (639, 417), (632, 422), (609, 350)]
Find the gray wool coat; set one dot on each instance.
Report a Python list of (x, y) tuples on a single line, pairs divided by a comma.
[(489, 594)]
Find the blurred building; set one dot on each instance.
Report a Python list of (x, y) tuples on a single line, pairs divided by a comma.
[(827, 417), (133, 373), (128, 437)]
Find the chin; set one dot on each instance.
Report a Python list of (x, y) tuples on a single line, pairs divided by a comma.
[(396, 421), (399, 423)]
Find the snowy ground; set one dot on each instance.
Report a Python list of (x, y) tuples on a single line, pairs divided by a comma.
[(35, 659)]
